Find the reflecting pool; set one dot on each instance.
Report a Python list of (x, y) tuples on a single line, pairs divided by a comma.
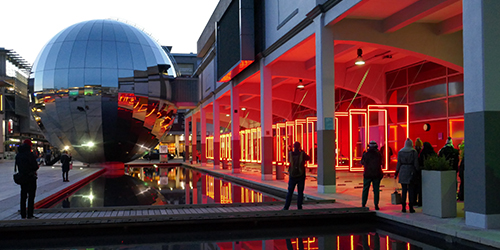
[(160, 186)]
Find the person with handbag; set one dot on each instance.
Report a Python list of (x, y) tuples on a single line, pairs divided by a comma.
[(27, 166), (406, 168)]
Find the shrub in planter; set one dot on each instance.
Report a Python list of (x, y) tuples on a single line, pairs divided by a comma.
[(436, 163), (439, 188)]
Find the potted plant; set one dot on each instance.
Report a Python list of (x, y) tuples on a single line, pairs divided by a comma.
[(439, 188)]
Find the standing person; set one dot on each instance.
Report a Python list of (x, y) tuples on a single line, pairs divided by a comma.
[(461, 169), (27, 165), (297, 175), (372, 162), (418, 145), (427, 151), (407, 166), (450, 153), (65, 161)]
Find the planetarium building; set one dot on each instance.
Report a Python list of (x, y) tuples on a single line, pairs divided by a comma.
[(102, 91)]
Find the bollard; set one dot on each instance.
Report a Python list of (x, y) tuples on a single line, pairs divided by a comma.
[(280, 167)]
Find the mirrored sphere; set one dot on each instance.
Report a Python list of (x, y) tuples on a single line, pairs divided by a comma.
[(102, 91)]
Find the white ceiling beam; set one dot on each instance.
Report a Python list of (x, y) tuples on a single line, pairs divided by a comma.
[(413, 13), (339, 50), (451, 25)]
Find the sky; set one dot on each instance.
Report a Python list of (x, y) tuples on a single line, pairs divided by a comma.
[(27, 25)]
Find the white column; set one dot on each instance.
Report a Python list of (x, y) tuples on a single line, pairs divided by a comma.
[(216, 120), (481, 112), (194, 137), (203, 124), (325, 104), (266, 120), (235, 129), (186, 139)]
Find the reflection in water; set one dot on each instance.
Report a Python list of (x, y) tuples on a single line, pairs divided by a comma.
[(347, 241), (159, 186)]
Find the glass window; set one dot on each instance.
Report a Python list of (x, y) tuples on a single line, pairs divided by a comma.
[(78, 55), (425, 71), (38, 84), (131, 37), (48, 79), (396, 79), (124, 56), (456, 85), (185, 68), (402, 96), (96, 31), (92, 76), (74, 32), (149, 56), (61, 78), (84, 32), (64, 55), (120, 35), (108, 33), (52, 57), (75, 77), (138, 57), (456, 106), (428, 90), (109, 77), (428, 110), (40, 65), (93, 55), (109, 55)]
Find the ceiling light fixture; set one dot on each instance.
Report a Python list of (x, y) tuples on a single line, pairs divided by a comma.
[(243, 109), (359, 59), (300, 85)]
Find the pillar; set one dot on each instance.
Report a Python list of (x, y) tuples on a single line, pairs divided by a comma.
[(235, 129), (325, 104), (177, 149), (266, 121), (216, 121), (194, 138), (186, 139), (203, 124), (481, 112)]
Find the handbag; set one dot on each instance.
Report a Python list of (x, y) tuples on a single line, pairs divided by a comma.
[(18, 178), (396, 197)]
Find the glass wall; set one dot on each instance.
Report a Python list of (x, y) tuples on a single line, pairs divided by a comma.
[(435, 96)]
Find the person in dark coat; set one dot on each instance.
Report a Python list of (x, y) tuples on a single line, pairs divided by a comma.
[(407, 166), (450, 153), (372, 162), (427, 151), (27, 166), (418, 145), (65, 161), (461, 169), (297, 159)]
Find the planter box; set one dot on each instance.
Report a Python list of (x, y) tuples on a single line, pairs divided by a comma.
[(439, 193)]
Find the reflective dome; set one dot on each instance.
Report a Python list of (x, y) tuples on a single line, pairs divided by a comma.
[(102, 90)]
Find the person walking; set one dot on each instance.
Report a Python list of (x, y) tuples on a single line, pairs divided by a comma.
[(66, 162), (297, 175), (372, 162), (406, 167), (426, 152), (27, 166)]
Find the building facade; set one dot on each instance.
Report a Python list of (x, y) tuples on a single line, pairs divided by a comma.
[(336, 74), (17, 123)]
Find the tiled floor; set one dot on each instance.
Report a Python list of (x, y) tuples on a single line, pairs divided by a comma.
[(348, 191)]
